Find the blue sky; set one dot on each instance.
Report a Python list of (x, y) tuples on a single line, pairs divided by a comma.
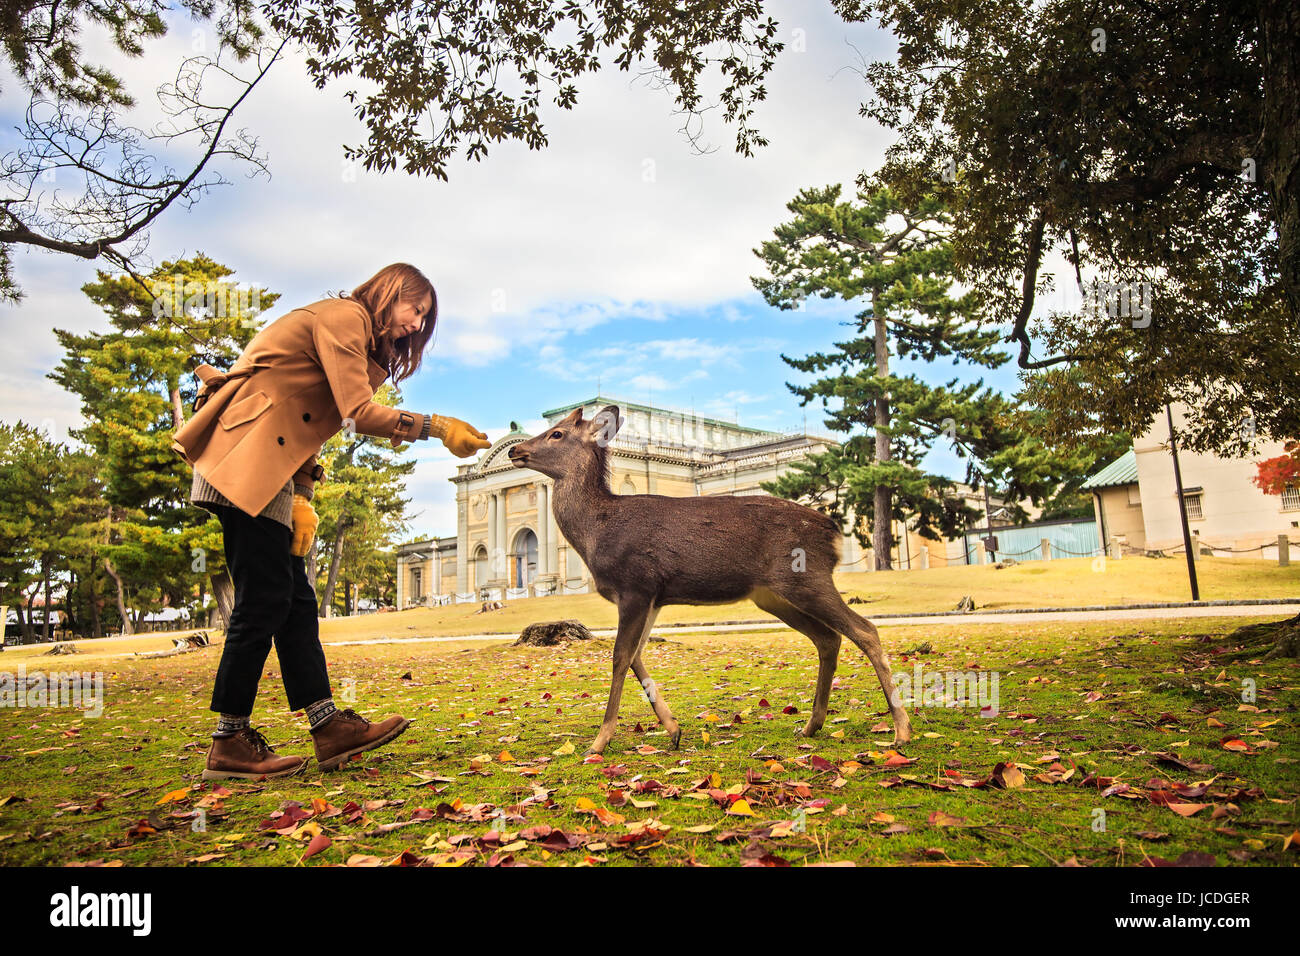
[(617, 254)]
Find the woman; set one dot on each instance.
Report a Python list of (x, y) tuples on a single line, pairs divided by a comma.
[(253, 442)]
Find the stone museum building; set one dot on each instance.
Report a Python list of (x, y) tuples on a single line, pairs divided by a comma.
[(507, 544)]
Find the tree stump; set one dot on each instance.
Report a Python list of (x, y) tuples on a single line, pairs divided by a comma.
[(553, 633)]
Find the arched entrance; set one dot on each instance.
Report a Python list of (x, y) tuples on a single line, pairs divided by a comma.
[(524, 559), (480, 568)]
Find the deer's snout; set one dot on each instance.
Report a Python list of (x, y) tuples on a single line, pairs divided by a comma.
[(518, 455)]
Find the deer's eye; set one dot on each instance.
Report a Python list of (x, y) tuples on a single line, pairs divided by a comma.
[(557, 434)]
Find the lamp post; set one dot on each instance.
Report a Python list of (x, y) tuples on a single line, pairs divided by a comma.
[(1182, 507)]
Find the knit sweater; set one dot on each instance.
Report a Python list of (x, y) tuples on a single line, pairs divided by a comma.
[(280, 509)]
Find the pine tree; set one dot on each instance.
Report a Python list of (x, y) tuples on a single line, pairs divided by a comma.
[(47, 504), (134, 383), (897, 260)]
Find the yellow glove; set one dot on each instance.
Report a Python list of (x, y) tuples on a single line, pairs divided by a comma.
[(304, 526), (462, 438)]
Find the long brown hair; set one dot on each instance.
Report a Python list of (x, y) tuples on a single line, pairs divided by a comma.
[(380, 294)]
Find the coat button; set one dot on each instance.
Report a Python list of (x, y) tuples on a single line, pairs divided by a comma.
[(280, 439), (306, 416)]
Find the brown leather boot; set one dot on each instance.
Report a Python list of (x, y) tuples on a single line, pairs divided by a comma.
[(245, 755), (347, 734)]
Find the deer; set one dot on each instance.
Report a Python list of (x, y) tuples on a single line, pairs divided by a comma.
[(648, 551)]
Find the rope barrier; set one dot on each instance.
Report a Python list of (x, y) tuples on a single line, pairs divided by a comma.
[(1095, 552), (1016, 554)]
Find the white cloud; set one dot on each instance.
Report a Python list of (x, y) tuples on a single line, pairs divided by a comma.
[(706, 353), (528, 250)]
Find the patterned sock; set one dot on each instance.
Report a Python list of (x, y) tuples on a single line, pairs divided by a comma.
[(228, 724), (320, 712)]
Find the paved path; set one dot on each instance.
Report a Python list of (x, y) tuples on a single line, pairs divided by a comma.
[(884, 620), (1006, 616)]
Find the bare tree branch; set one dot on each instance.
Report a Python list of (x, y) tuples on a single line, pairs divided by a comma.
[(122, 188)]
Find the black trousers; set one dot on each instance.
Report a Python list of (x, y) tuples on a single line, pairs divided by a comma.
[(273, 601)]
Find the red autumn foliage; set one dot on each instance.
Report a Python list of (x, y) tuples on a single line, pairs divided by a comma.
[(1274, 474)]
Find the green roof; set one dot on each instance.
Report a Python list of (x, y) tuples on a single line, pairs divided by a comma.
[(1122, 471)]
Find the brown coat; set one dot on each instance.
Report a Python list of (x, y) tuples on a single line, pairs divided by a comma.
[(296, 384)]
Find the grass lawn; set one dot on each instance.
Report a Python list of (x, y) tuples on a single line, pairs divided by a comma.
[(1061, 583), (1064, 583), (1114, 743)]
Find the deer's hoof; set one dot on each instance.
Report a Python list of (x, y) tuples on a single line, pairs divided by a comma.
[(590, 751), (677, 739)]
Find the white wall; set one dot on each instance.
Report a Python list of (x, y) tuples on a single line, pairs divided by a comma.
[(1236, 513)]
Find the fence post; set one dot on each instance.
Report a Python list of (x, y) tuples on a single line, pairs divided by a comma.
[(1116, 549), (925, 557), (1047, 549), (1283, 550), (979, 551)]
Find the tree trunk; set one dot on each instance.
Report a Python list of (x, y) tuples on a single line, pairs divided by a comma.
[(331, 580), (1287, 643), (25, 620), (1284, 636), (178, 412), (45, 576), (1279, 21), (73, 588), (223, 590), (97, 625), (121, 598), (881, 537)]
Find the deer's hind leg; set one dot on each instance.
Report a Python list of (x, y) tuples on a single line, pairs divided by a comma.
[(826, 639), (651, 689), (824, 603)]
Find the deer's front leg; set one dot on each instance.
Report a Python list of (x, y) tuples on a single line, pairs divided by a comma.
[(828, 656), (657, 701), (652, 690), (631, 623)]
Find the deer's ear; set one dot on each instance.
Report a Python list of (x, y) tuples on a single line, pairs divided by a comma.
[(604, 425), (573, 418)]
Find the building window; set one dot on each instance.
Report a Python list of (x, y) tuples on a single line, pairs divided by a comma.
[(1291, 498), (1134, 495), (1193, 503)]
